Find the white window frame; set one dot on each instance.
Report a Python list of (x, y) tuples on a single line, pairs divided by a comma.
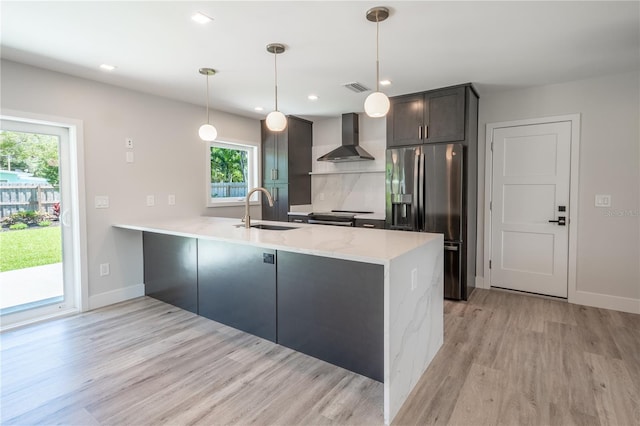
[(253, 157)]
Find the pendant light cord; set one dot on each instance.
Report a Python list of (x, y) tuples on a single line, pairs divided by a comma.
[(377, 53), (207, 98), (275, 67)]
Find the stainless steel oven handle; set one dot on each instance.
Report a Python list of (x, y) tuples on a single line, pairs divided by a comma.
[(451, 248), (330, 222)]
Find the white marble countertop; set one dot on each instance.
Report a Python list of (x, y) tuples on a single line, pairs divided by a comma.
[(357, 244)]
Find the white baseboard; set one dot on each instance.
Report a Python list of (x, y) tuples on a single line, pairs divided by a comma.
[(605, 301), (480, 282), (116, 296)]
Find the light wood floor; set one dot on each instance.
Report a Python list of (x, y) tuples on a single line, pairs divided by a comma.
[(507, 359)]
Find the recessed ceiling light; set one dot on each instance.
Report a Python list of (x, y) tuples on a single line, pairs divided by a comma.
[(312, 97), (258, 108), (385, 82), (201, 18), (107, 67)]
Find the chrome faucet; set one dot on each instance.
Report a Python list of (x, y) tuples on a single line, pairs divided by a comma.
[(247, 218)]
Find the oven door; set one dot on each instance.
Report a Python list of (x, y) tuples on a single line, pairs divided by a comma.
[(330, 222)]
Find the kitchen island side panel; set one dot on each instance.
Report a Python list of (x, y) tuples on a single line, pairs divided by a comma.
[(414, 329), (332, 309), (170, 269)]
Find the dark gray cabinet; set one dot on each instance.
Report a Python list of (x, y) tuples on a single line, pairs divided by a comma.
[(280, 209), (170, 269), (332, 309), (427, 117), (237, 286), (286, 161)]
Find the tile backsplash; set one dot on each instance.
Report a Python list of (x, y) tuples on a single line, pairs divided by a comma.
[(355, 185)]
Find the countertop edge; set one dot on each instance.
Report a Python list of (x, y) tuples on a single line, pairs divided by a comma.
[(353, 246)]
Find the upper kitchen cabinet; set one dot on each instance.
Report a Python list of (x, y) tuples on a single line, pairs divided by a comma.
[(428, 117), (286, 160)]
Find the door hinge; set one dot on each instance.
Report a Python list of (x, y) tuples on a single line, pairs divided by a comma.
[(490, 205), (491, 146), (489, 264)]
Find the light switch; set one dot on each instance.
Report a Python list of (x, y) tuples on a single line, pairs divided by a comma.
[(104, 269), (101, 202), (171, 199), (603, 200), (151, 200), (129, 156)]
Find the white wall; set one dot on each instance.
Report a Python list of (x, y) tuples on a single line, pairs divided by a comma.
[(608, 255), (169, 159)]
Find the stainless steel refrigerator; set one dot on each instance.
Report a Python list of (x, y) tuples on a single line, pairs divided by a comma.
[(426, 192)]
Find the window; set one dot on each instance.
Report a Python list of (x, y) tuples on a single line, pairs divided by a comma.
[(232, 171)]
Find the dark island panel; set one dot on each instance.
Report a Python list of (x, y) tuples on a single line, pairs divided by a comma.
[(237, 286), (333, 310), (170, 269)]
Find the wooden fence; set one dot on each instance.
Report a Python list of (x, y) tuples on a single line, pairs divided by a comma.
[(15, 197), (228, 189)]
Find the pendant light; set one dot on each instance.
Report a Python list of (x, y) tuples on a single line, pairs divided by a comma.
[(207, 132), (377, 103), (276, 121)]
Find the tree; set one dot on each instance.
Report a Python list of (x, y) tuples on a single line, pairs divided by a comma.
[(228, 165), (30, 152)]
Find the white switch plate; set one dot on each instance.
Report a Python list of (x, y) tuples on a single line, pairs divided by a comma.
[(129, 157), (101, 202), (128, 143), (603, 200), (171, 199), (104, 269), (151, 200)]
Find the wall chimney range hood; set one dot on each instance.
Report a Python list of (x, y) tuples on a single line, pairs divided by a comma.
[(349, 150)]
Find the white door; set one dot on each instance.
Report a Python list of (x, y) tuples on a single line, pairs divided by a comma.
[(36, 292), (530, 198)]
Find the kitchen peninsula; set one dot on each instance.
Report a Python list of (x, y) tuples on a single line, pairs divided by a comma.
[(370, 301)]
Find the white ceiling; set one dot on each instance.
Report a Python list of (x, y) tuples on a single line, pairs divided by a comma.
[(423, 45)]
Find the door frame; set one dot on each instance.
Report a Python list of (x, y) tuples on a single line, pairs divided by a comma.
[(572, 225), (77, 211)]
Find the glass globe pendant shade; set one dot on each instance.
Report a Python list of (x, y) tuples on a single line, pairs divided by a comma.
[(376, 105), (276, 121), (208, 133)]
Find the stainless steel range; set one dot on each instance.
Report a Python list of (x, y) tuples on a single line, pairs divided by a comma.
[(335, 217)]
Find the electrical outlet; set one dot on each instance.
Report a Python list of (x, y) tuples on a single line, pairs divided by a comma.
[(171, 199), (104, 269), (101, 202), (603, 200), (129, 157), (414, 278), (151, 200), (128, 143)]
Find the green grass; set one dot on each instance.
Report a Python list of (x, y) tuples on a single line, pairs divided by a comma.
[(30, 247)]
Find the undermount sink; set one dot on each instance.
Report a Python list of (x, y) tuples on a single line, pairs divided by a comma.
[(273, 227)]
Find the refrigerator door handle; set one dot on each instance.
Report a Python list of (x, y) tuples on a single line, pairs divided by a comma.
[(421, 193), (415, 205)]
